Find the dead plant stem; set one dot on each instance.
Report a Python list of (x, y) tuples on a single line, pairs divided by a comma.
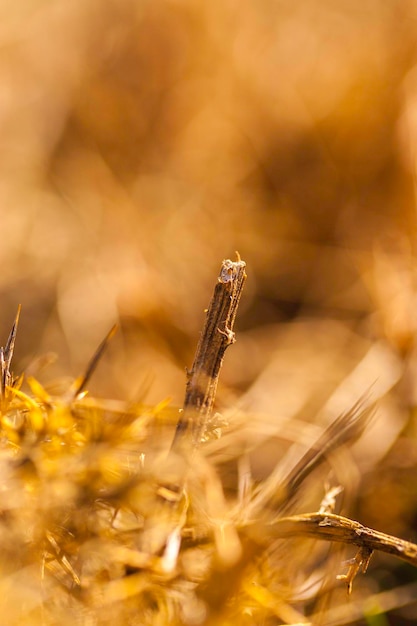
[(216, 336)]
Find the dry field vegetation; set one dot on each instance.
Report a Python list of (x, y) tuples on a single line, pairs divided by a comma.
[(142, 143)]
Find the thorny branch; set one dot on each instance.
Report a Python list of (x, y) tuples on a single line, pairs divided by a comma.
[(216, 336)]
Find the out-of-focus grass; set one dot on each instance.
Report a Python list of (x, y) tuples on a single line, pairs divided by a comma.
[(142, 142)]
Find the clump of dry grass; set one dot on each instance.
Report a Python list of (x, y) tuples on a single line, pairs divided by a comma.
[(104, 521)]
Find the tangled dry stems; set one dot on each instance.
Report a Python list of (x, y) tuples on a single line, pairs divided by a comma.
[(103, 522)]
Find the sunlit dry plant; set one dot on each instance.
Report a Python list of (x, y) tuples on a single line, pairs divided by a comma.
[(145, 515)]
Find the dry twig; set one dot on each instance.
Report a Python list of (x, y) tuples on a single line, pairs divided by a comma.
[(216, 336), (331, 527)]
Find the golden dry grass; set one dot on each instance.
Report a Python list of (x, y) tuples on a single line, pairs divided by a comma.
[(143, 142)]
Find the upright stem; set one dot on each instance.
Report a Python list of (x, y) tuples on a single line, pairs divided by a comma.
[(6, 355), (216, 336)]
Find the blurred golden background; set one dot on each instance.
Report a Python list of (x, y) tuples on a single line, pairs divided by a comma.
[(143, 142)]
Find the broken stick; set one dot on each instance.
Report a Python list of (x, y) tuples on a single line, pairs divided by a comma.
[(331, 527), (216, 336)]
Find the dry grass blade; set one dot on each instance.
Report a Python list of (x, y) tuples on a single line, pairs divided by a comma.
[(279, 492), (373, 606), (81, 383), (344, 430), (6, 355)]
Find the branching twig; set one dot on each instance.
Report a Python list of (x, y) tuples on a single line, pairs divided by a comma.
[(332, 527), (216, 336)]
